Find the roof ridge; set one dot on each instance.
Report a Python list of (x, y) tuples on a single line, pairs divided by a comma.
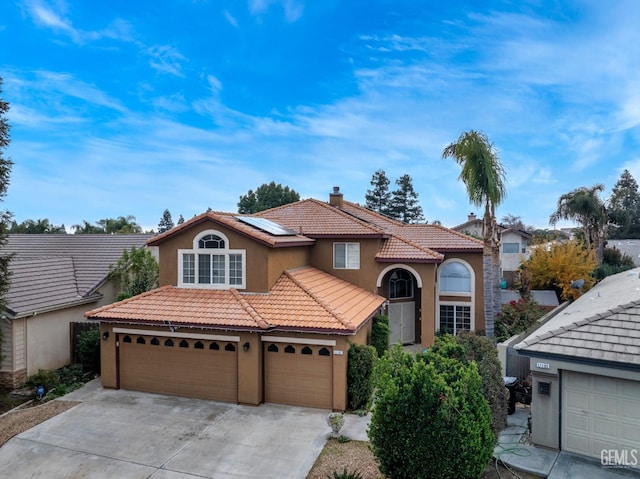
[(366, 224), (375, 213), (249, 309), (93, 312), (320, 301), (416, 245), (451, 230), (581, 322)]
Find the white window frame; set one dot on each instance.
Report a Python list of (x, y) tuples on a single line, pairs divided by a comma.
[(226, 252), (351, 258), (457, 304), (457, 293), (511, 244)]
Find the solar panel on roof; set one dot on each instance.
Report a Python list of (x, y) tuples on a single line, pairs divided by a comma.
[(267, 226)]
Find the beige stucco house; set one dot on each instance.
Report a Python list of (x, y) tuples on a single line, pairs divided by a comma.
[(264, 308), (54, 280), (585, 366)]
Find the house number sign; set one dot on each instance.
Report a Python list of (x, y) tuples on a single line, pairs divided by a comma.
[(543, 365)]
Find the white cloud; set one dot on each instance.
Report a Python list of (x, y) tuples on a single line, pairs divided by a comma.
[(165, 59), (293, 9), (231, 19)]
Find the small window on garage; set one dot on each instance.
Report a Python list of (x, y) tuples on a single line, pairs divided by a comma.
[(140, 340), (215, 346), (324, 352), (290, 349), (169, 342), (126, 339), (306, 350), (184, 343), (230, 347), (198, 345), (272, 348), (155, 342)]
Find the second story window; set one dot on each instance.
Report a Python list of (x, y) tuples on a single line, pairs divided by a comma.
[(346, 255), (211, 264)]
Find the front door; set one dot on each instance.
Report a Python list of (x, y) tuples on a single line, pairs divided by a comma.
[(402, 321)]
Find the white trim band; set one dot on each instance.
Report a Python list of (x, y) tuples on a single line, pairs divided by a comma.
[(315, 342), (169, 334)]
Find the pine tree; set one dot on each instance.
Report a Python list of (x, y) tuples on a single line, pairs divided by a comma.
[(404, 202), (624, 208), (378, 198), (166, 223), (180, 219), (5, 215)]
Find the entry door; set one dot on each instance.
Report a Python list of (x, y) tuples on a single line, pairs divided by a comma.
[(402, 321)]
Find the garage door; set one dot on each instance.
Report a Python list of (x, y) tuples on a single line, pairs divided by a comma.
[(299, 375), (179, 366), (599, 413)]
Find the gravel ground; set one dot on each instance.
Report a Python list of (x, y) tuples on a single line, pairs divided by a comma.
[(19, 420), (356, 456)]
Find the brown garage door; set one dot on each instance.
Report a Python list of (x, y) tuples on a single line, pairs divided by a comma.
[(299, 375), (179, 366)]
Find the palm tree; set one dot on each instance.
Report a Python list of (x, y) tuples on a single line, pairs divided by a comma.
[(483, 175), (584, 206)]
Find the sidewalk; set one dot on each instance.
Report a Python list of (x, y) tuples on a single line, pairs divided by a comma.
[(513, 450)]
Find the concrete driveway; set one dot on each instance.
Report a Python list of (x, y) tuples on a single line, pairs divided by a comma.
[(127, 434)]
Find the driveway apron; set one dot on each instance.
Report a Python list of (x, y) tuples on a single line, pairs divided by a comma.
[(126, 434)]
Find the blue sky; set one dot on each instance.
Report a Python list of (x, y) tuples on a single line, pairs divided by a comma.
[(127, 108)]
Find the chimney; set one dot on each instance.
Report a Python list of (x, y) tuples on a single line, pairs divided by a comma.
[(335, 198), (472, 217)]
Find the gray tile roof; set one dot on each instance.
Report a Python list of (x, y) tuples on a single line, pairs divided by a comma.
[(52, 271), (602, 325)]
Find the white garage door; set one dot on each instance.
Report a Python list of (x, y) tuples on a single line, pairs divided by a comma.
[(599, 413)]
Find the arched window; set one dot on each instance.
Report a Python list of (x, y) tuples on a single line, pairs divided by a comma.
[(211, 264), (140, 340), (126, 339), (324, 352), (272, 348), (169, 343), (290, 349), (215, 346), (230, 347), (184, 343), (455, 277), (198, 345), (400, 284), (306, 350), (155, 342)]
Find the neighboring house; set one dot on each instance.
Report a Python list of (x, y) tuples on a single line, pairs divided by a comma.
[(630, 247), (514, 246), (585, 367), (264, 308), (54, 279)]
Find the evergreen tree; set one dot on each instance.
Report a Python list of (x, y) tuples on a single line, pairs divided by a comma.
[(404, 202), (180, 219), (166, 223), (624, 208), (39, 226), (265, 197), (378, 198), (5, 215)]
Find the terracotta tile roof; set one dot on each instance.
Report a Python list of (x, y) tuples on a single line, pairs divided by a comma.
[(315, 219), (438, 238), (231, 220), (304, 299), (52, 271), (397, 248)]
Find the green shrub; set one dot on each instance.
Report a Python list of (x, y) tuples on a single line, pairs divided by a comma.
[(516, 317), (467, 347), (360, 369), (89, 349), (430, 419), (345, 475), (380, 333), (46, 378)]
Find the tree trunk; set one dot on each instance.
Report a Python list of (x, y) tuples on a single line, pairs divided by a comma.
[(491, 269)]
